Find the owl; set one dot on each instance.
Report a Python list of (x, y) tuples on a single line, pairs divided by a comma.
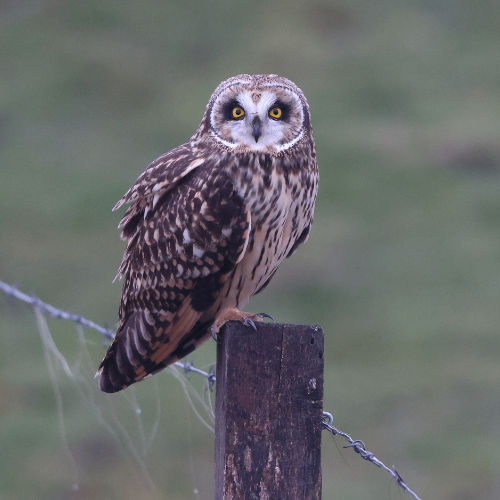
[(210, 222)]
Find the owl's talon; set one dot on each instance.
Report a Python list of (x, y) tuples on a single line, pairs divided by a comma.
[(213, 334), (250, 323), (265, 315)]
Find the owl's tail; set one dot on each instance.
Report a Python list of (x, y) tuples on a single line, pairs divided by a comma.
[(146, 343)]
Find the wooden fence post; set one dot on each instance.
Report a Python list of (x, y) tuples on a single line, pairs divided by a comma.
[(269, 404)]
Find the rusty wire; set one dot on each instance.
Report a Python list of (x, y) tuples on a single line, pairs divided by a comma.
[(356, 444)]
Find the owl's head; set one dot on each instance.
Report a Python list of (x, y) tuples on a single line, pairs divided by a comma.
[(265, 113)]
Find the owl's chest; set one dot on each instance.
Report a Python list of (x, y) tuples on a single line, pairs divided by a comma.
[(278, 217), (267, 191)]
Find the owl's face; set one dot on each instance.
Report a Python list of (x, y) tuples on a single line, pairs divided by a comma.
[(258, 113)]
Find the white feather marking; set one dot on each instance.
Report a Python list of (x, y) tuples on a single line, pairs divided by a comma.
[(164, 184), (186, 237), (128, 348), (118, 205), (249, 220), (227, 231), (146, 210), (288, 145), (198, 252), (148, 317), (156, 197), (195, 163), (222, 141), (158, 186), (138, 346)]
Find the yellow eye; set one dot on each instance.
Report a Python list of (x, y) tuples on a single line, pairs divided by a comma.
[(275, 113), (238, 112)]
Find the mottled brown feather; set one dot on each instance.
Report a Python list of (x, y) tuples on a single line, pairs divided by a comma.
[(177, 259)]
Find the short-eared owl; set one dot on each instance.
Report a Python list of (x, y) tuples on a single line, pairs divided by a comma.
[(210, 222)]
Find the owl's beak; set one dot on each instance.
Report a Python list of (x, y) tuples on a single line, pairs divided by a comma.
[(256, 131)]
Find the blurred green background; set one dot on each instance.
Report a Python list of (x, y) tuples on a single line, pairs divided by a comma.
[(402, 269)]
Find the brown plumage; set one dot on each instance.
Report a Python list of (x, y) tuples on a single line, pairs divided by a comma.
[(209, 223)]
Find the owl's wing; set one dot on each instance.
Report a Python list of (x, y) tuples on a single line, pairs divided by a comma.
[(162, 174), (309, 181), (301, 239), (181, 248)]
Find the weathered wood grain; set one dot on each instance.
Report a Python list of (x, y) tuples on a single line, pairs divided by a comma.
[(269, 404)]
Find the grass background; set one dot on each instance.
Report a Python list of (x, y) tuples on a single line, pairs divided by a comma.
[(402, 269)]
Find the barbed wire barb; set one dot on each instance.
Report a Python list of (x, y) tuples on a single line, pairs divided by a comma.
[(356, 444), (359, 447)]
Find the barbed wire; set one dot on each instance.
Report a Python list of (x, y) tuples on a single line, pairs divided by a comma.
[(359, 447), (54, 312), (355, 444)]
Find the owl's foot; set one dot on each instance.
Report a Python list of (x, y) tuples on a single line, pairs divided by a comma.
[(248, 321), (233, 314)]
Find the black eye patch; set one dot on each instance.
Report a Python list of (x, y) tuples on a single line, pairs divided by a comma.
[(227, 109), (285, 109)]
